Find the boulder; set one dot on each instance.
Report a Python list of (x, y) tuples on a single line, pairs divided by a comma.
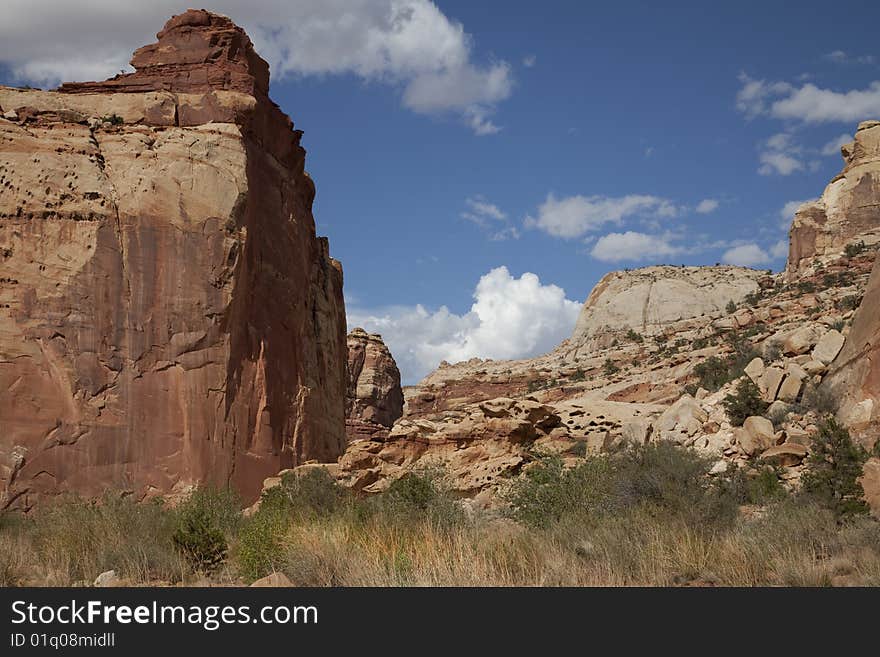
[(801, 340), (771, 379), (786, 455), (870, 481), (755, 370), (273, 580), (828, 347), (756, 435)]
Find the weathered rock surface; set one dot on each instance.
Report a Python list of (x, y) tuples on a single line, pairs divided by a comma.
[(647, 300), (847, 212), (854, 376), (373, 396), (167, 314)]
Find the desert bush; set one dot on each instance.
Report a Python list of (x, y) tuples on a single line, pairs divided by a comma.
[(834, 466), (772, 351), (855, 248), (419, 496), (610, 368), (634, 337), (712, 373), (731, 307), (744, 402), (850, 302), (205, 522)]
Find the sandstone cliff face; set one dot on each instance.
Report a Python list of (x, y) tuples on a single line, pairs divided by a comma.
[(373, 396), (855, 373), (167, 314), (648, 300), (847, 212)]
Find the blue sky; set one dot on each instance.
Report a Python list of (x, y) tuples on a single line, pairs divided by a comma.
[(613, 135)]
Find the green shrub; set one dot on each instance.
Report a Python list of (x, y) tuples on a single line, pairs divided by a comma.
[(744, 402), (610, 368), (850, 302), (113, 119), (854, 249), (772, 351), (822, 400), (712, 373), (634, 337), (731, 307), (419, 496), (258, 551), (200, 540), (833, 470)]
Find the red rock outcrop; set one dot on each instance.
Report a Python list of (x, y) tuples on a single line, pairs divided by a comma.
[(373, 396), (167, 314), (847, 212)]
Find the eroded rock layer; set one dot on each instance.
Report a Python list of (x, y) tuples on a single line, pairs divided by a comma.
[(167, 314), (373, 396), (847, 213)]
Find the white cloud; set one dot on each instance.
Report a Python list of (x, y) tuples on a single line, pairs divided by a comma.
[(833, 146), (780, 249), (746, 255), (529, 61), (490, 218), (510, 318), (842, 57), (788, 210), (807, 103), (707, 206), (631, 245), (780, 155), (754, 94), (410, 45), (574, 216)]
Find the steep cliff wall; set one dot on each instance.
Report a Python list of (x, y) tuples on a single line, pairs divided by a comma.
[(847, 212), (167, 314)]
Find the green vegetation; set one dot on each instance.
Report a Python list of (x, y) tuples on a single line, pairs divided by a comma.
[(744, 402), (850, 302), (854, 249), (731, 307), (833, 470), (113, 119), (610, 368), (634, 337), (715, 371)]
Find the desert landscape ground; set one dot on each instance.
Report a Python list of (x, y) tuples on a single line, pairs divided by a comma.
[(183, 403)]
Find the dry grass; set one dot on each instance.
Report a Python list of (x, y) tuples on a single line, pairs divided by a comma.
[(655, 523)]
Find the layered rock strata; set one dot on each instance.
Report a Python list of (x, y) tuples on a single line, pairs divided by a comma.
[(167, 314)]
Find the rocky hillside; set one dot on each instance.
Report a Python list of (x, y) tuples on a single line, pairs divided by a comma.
[(654, 355), (167, 314)]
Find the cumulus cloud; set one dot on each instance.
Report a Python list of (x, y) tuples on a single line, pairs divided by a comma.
[(746, 255), (807, 103), (833, 146), (510, 318), (529, 61), (780, 155), (631, 245), (410, 45), (707, 206), (574, 216)]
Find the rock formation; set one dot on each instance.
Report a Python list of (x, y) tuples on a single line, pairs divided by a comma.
[(648, 300), (167, 314), (855, 373), (373, 396), (847, 213)]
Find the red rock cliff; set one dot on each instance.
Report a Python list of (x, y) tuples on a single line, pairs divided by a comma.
[(373, 396), (167, 314)]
